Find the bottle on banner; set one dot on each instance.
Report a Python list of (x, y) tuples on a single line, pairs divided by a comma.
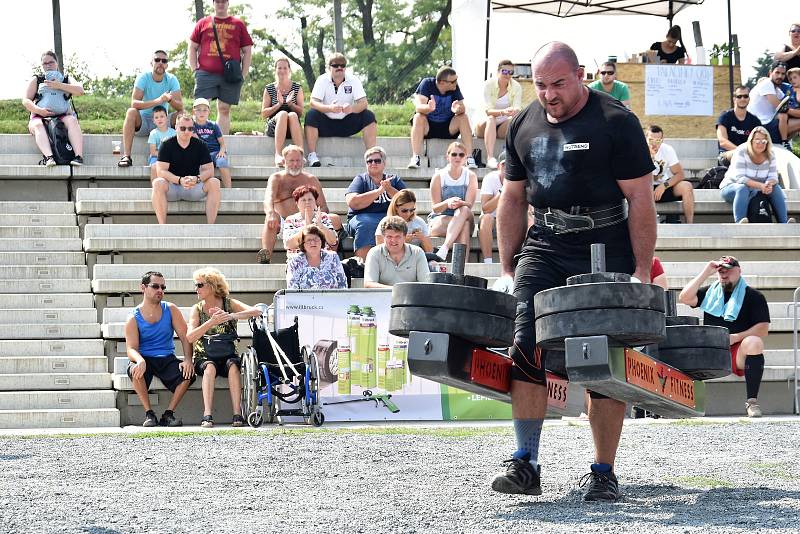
[(343, 356), (354, 335), (382, 358), (369, 332), (400, 352)]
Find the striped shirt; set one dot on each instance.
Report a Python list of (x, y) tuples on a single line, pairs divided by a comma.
[(742, 169), (272, 90)]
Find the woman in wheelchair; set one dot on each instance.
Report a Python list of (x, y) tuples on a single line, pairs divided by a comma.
[(212, 332), (314, 268)]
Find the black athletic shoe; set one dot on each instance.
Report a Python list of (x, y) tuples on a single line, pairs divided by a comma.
[(520, 477), (603, 487), (150, 418), (77, 161), (168, 419)]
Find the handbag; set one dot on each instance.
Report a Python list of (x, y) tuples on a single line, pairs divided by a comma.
[(232, 68), (220, 346)]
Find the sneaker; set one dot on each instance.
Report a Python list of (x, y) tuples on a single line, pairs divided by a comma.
[(150, 419), (313, 160), (603, 487), (168, 419), (263, 256), (744, 220), (492, 163), (471, 163), (752, 407), (207, 422), (787, 145), (49, 161), (722, 161), (520, 478), (791, 220), (414, 162), (279, 161), (77, 161), (237, 420)]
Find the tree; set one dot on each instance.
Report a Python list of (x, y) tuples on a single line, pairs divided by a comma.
[(761, 67)]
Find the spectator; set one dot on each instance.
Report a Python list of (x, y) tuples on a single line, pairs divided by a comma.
[(790, 55), (279, 202), (151, 349), (209, 132), (491, 188), (793, 77), (158, 135), (308, 214), (282, 104), (215, 317), (668, 50), (338, 108), (608, 83), (453, 193), (314, 268), (502, 96), (185, 172), (734, 125), (151, 89), (205, 59), (731, 303), (754, 170), (440, 113), (765, 100), (669, 183), (404, 205), (368, 199), (657, 274), (394, 261), (53, 89)]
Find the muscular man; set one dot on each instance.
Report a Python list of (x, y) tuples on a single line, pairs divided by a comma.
[(734, 125), (279, 203), (731, 303), (155, 88), (578, 153), (151, 349), (669, 180)]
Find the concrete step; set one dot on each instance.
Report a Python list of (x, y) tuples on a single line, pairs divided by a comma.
[(44, 272), (53, 364), (37, 381), (772, 373), (51, 347), (27, 168), (58, 400), (47, 302), (42, 258), (49, 316), (68, 418), (44, 286), (23, 244), (38, 232), (22, 219), (50, 331), (37, 208)]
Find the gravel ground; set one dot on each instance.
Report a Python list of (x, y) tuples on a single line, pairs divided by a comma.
[(695, 476)]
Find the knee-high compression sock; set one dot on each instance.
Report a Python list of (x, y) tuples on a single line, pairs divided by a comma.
[(753, 371), (528, 432)]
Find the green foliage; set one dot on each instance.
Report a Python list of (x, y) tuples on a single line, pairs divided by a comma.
[(761, 67)]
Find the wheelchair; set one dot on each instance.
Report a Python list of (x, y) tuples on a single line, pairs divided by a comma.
[(277, 371)]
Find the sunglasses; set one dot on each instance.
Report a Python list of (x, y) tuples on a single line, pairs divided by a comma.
[(162, 287), (760, 141), (454, 80), (407, 210), (741, 96), (337, 65), (51, 62), (186, 128), (609, 72), (161, 60), (199, 285), (506, 71), (796, 30), (457, 154), (374, 161)]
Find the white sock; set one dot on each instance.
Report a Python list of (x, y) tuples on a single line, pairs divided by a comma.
[(487, 260), (442, 252)]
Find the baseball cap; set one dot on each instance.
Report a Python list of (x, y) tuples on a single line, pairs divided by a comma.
[(728, 262), (201, 102)]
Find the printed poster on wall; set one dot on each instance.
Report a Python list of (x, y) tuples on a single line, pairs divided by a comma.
[(348, 331), (679, 90)]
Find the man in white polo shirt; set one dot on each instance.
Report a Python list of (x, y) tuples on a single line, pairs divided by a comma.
[(338, 109)]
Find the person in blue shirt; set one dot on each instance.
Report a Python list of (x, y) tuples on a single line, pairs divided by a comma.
[(210, 133), (151, 350), (160, 133), (439, 114), (155, 88)]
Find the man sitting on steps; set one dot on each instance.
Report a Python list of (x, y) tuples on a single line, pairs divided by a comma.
[(669, 181)]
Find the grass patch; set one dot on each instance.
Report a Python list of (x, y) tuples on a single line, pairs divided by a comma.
[(702, 482), (781, 470)]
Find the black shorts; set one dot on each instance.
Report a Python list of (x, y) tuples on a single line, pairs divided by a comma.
[(440, 130), (165, 368), (350, 124), (536, 271), (668, 196), (222, 366)]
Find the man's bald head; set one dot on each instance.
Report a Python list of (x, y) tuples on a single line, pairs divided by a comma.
[(552, 52)]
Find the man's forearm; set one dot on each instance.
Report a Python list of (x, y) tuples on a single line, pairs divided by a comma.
[(359, 105), (168, 176), (642, 229), (512, 222), (758, 329)]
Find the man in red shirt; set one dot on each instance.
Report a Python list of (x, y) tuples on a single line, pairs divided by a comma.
[(205, 61)]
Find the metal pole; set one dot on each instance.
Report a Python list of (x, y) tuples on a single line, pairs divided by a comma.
[(486, 52), (459, 258), (57, 33), (730, 54), (598, 258), (337, 25)]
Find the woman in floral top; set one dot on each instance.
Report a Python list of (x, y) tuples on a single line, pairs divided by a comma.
[(314, 268)]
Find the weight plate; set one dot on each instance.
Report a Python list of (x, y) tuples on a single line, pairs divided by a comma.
[(445, 278), (440, 298), (479, 328), (701, 363), (475, 281), (622, 295), (593, 278), (682, 320), (624, 326), (712, 337)]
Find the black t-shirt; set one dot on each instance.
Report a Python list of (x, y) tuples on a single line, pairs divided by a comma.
[(679, 53), (738, 131), (754, 310), (184, 161), (792, 63), (577, 163)]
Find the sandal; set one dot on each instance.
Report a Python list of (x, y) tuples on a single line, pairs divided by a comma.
[(125, 161), (238, 420), (207, 421)]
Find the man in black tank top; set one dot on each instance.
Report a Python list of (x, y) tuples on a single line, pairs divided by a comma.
[(579, 151), (790, 54)]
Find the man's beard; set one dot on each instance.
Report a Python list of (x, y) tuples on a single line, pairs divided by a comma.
[(294, 172), (727, 286)]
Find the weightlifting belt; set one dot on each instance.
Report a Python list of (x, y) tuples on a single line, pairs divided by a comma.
[(580, 218)]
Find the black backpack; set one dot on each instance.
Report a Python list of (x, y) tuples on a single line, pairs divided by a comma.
[(712, 178), (759, 210), (63, 152)]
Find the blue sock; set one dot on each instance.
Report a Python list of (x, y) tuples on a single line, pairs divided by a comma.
[(528, 432), (601, 468)]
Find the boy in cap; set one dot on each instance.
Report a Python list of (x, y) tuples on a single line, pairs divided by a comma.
[(210, 133)]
